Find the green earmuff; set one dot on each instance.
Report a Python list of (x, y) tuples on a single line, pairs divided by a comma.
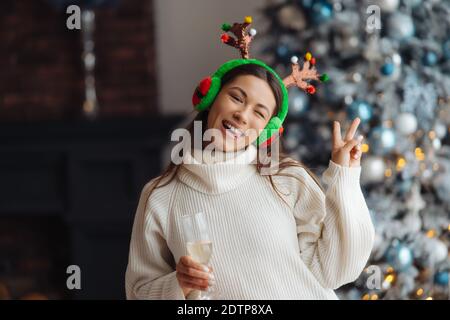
[(209, 87)]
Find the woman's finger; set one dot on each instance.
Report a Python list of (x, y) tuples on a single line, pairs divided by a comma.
[(352, 130), (337, 139), (194, 281), (191, 272), (189, 262), (192, 285), (357, 148), (197, 281), (351, 144), (357, 155), (193, 269)]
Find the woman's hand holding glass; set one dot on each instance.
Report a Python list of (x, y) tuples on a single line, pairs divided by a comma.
[(193, 276)]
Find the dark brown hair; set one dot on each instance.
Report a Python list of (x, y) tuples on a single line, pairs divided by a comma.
[(284, 160)]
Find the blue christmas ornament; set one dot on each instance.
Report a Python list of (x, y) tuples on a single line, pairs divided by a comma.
[(321, 11), (282, 50), (430, 58), (382, 140), (387, 69), (361, 109), (441, 278), (399, 256)]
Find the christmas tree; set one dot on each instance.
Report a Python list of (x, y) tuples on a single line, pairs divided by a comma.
[(389, 64)]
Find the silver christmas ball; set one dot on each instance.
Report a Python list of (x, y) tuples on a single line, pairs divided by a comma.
[(406, 123), (437, 144), (439, 251), (372, 169), (400, 26), (440, 129)]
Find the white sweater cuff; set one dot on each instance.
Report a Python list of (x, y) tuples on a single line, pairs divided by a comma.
[(348, 175)]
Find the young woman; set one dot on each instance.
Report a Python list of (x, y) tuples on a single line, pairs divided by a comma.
[(277, 236)]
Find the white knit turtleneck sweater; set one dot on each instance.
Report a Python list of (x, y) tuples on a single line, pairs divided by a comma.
[(262, 248)]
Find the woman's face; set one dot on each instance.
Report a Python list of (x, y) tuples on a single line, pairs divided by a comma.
[(242, 108)]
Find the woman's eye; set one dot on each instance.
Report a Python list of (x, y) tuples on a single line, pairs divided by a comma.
[(260, 114), (236, 98)]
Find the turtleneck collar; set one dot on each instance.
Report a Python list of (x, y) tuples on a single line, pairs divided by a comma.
[(217, 172)]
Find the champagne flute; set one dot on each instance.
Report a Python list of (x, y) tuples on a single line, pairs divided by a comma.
[(199, 247)]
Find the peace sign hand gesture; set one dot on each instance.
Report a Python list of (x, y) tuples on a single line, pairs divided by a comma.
[(347, 152)]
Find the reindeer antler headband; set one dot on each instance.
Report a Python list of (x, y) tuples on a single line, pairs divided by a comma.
[(298, 77), (209, 87)]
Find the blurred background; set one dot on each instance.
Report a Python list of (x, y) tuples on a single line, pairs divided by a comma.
[(86, 115)]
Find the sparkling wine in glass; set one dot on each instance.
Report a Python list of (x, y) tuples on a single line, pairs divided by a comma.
[(199, 247), (200, 250)]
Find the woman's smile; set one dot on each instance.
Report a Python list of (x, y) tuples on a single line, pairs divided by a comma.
[(232, 130)]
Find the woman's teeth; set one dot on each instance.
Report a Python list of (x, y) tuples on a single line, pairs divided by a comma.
[(235, 131)]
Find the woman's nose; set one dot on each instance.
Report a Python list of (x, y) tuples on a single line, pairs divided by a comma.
[(240, 117)]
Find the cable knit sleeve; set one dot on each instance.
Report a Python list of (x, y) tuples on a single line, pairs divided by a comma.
[(334, 229), (151, 267)]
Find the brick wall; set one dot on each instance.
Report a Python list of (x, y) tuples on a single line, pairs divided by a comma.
[(41, 74)]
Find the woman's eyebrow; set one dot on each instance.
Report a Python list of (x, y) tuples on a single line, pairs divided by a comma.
[(245, 95)]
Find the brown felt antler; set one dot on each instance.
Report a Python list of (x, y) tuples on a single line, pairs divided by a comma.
[(243, 39), (299, 77)]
